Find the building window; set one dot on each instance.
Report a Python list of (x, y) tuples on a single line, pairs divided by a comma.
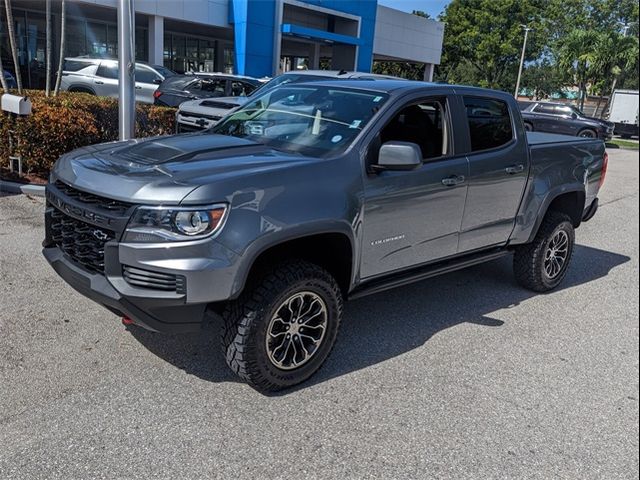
[(185, 53)]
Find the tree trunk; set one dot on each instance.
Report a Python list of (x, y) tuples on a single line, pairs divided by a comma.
[(47, 88), (613, 89), (63, 28), (11, 30)]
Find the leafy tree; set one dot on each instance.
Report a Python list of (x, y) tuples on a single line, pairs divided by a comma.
[(483, 40)]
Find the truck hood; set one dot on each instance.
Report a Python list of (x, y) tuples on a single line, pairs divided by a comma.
[(166, 169)]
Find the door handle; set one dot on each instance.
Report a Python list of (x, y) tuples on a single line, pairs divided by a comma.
[(99, 82), (138, 88), (514, 169), (453, 180)]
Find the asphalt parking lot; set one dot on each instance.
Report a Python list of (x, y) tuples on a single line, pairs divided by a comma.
[(463, 376)]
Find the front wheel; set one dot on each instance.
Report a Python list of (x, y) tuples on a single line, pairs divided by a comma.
[(281, 331), (542, 264)]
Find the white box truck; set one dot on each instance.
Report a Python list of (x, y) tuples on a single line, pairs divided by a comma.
[(624, 112)]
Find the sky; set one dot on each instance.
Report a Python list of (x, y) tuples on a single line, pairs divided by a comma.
[(432, 7)]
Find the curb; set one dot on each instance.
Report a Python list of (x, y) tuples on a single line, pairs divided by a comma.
[(22, 188)]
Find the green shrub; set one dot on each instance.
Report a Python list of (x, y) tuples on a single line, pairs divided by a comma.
[(60, 124)]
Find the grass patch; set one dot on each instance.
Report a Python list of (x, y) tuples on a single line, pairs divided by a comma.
[(616, 142)]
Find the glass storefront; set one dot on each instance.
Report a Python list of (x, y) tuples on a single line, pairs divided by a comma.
[(184, 53), (83, 37)]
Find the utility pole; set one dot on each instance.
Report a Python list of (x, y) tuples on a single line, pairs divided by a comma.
[(126, 70), (524, 48)]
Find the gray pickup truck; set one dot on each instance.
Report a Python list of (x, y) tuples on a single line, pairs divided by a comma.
[(308, 195)]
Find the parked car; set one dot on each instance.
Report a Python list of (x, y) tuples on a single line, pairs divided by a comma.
[(563, 119), (310, 194), (177, 89), (11, 81), (198, 115), (99, 76), (623, 113)]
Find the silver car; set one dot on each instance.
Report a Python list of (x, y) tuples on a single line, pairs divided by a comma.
[(100, 77)]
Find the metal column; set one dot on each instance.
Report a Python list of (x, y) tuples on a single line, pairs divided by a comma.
[(126, 74)]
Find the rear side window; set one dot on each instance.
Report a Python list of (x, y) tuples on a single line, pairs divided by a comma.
[(75, 65), (144, 75), (108, 70), (550, 109), (489, 123)]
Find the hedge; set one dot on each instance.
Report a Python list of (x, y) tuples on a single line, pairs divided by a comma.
[(60, 124)]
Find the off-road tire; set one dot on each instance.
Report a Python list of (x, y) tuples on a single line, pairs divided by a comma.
[(246, 320), (529, 259)]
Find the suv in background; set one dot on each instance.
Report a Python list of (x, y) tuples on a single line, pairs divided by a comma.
[(563, 119), (201, 114), (191, 86), (99, 76)]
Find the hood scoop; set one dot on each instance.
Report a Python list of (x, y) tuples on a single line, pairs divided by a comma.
[(183, 147)]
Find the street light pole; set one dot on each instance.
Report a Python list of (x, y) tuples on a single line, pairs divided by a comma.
[(524, 47), (126, 70)]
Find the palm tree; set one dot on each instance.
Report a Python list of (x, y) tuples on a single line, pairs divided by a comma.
[(12, 40), (47, 89), (576, 56), (63, 27)]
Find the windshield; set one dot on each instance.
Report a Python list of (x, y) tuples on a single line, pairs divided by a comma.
[(304, 118)]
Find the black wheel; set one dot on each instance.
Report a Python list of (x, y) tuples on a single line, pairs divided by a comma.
[(542, 264), (81, 90), (280, 332), (587, 133), (528, 127)]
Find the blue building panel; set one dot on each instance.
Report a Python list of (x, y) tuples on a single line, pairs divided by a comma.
[(255, 30)]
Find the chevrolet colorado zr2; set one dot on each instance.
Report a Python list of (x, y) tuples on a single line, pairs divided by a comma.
[(309, 195)]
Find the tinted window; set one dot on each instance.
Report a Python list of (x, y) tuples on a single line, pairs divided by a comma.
[(489, 123), (567, 111), (75, 65), (241, 89), (214, 86), (541, 108), (145, 75), (108, 70)]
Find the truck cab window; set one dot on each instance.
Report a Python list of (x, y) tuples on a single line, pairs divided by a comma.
[(424, 124), (489, 123)]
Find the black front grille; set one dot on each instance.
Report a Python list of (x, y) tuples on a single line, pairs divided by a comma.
[(107, 204), (83, 242), (182, 128), (154, 280)]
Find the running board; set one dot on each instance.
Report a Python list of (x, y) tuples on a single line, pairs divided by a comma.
[(422, 273)]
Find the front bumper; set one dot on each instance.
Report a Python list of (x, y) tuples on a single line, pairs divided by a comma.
[(134, 279), (156, 314)]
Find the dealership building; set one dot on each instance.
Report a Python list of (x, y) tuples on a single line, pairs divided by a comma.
[(250, 37)]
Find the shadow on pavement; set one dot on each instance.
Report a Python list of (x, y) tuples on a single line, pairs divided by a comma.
[(383, 326)]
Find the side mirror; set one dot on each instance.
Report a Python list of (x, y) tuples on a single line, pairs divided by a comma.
[(398, 156), (574, 115)]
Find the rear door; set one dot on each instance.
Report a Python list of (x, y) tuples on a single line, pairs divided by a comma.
[(498, 171), (147, 82), (544, 118), (105, 83), (413, 217)]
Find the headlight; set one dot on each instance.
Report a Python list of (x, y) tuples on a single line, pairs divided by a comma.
[(159, 224)]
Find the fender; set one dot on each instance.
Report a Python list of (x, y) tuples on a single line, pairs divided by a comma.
[(273, 239), (525, 232)]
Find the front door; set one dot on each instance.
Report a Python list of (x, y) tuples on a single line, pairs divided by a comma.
[(413, 217), (498, 171)]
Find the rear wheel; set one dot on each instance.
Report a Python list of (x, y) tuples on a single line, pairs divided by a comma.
[(542, 264), (281, 331), (81, 90), (587, 133)]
